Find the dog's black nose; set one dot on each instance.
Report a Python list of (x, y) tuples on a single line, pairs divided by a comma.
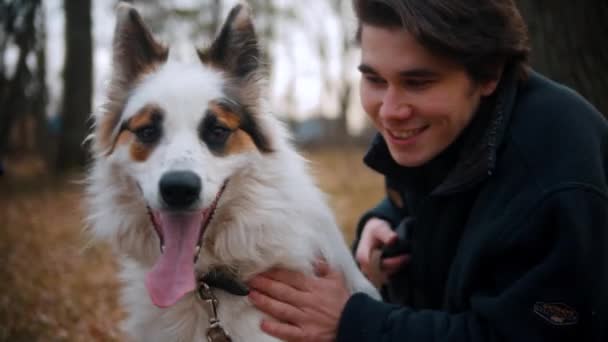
[(180, 189)]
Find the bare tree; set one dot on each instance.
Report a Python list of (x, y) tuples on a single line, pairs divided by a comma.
[(569, 44), (18, 83), (78, 84)]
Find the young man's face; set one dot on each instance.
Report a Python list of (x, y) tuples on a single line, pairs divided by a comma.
[(418, 101)]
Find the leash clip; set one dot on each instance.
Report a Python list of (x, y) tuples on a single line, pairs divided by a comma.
[(215, 333)]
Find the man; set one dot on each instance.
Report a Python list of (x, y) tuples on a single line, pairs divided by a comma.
[(499, 174)]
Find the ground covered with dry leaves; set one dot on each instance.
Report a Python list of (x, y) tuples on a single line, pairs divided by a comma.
[(56, 286)]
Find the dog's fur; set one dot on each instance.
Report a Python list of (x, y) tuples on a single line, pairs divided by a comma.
[(156, 120)]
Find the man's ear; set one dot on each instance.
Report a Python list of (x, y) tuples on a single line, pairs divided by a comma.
[(488, 87), (135, 49), (235, 50)]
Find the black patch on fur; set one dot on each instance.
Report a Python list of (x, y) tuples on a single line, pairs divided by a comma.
[(210, 129), (247, 123)]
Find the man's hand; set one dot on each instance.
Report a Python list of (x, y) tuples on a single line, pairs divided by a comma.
[(376, 234), (305, 308)]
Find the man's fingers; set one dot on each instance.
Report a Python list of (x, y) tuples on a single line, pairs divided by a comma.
[(376, 233), (282, 331), (393, 264), (276, 289), (386, 235), (274, 308), (294, 279), (321, 268)]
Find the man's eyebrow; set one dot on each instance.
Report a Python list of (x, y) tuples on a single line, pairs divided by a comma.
[(418, 73), (413, 73), (366, 69)]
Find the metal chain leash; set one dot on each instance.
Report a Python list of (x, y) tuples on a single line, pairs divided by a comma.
[(215, 333)]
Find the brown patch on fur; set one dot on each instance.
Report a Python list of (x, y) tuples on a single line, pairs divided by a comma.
[(239, 142), (117, 99), (124, 138), (225, 115), (144, 117), (139, 151)]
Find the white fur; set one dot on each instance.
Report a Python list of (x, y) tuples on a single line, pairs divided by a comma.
[(271, 213)]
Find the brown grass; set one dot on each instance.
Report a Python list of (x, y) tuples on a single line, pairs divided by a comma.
[(53, 288)]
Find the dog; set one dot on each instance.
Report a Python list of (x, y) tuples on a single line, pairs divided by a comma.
[(198, 187)]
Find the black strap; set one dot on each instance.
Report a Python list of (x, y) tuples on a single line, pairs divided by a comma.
[(226, 280)]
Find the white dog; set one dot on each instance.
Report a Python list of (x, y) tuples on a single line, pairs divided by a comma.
[(198, 187)]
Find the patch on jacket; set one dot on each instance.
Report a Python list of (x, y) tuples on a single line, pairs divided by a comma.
[(556, 313)]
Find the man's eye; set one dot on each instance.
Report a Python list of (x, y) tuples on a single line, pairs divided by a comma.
[(374, 80), (417, 84), (148, 134)]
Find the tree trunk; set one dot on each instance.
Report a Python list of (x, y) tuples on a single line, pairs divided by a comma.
[(44, 144), (13, 99), (78, 84), (569, 44)]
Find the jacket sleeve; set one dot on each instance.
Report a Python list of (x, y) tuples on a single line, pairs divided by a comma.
[(544, 280), (385, 210)]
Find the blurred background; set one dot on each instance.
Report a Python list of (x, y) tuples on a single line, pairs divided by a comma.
[(54, 65)]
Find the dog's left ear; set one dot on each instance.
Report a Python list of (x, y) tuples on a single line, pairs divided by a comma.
[(235, 50)]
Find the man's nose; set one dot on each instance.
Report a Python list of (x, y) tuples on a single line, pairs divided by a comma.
[(394, 106)]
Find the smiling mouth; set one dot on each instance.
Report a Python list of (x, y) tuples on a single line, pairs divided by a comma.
[(406, 134), (180, 234)]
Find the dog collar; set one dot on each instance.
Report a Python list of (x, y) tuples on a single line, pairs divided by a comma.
[(224, 279), (221, 278)]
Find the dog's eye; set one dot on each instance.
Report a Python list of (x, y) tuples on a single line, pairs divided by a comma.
[(217, 135), (148, 134)]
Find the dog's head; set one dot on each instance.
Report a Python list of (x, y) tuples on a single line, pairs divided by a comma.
[(179, 132)]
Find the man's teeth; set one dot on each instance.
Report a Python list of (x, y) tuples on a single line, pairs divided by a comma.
[(406, 134), (162, 248)]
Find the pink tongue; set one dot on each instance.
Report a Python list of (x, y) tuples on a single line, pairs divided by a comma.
[(173, 274)]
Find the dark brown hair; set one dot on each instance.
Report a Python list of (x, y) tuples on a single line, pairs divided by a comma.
[(481, 35)]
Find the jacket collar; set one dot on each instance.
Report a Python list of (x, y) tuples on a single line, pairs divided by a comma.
[(480, 145)]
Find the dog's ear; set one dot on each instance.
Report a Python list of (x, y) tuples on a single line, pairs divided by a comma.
[(135, 49), (135, 53), (236, 49)]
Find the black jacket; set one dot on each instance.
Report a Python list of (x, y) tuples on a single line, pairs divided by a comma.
[(509, 241)]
